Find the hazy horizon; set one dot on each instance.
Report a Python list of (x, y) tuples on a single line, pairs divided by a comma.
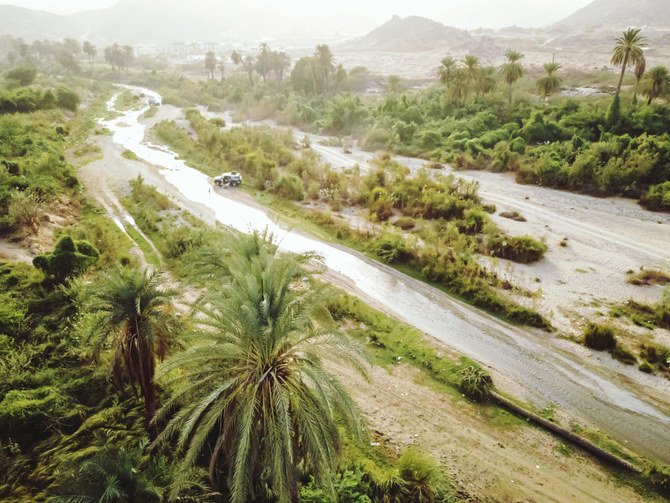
[(359, 16)]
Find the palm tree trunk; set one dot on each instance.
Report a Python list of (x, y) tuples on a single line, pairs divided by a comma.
[(623, 73), (510, 95)]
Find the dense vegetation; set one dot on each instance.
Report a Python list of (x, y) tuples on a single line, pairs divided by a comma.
[(476, 118), (433, 224)]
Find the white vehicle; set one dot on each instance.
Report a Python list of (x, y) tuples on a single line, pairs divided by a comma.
[(232, 179)]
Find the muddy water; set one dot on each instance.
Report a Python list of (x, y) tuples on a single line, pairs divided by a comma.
[(530, 359)]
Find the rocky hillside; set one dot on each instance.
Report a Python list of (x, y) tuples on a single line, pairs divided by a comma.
[(619, 14), (410, 34)]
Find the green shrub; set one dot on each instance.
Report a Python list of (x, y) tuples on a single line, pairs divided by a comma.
[(68, 259), (392, 249), (476, 384), (405, 223), (660, 478), (657, 197), (646, 367), (289, 187), (23, 76), (623, 355), (599, 337), (521, 249)]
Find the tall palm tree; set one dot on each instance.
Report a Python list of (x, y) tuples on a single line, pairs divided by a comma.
[(249, 67), (254, 396), (472, 64), (325, 61), (655, 84), (235, 58), (485, 80), (340, 75), (447, 66), (551, 82), (393, 84), (640, 69), (512, 70), (459, 86), (628, 50), (134, 315)]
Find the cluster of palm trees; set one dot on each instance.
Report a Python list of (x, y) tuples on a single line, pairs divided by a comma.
[(318, 72), (250, 394), (652, 84), (470, 76), (119, 57), (268, 62)]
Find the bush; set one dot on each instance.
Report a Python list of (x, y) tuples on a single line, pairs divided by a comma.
[(660, 478), (405, 223), (23, 76), (599, 337), (476, 384), (68, 259), (67, 99), (521, 249), (657, 197), (623, 355), (289, 187), (391, 248)]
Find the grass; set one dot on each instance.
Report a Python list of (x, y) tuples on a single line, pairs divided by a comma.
[(513, 215), (648, 277), (129, 154), (144, 245)]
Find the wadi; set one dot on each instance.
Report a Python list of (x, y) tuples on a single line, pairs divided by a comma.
[(282, 254)]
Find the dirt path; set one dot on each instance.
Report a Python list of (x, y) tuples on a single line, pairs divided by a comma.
[(486, 462)]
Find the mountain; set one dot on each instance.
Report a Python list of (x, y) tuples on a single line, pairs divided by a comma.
[(162, 22), (409, 34), (619, 14), (31, 24)]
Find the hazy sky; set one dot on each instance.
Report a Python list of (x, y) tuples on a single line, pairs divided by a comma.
[(364, 14)]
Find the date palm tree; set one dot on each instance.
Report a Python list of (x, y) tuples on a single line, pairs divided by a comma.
[(640, 69), (133, 313), (236, 58), (325, 61), (512, 70), (550, 83), (485, 81), (447, 66), (248, 66), (655, 84), (255, 398), (393, 85), (628, 50), (459, 86)]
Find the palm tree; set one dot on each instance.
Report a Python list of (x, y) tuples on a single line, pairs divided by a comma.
[(485, 81), (459, 86), (325, 61), (210, 64), (655, 84), (90, 50), (264, 61), (640, 69), (447, 66), (393, 84), (134, 314), (340, 75), (280, 62), (472, 64), (512, 70), (628, 50), (248, 67), (550, 83), (235, 58), (254, 396)]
